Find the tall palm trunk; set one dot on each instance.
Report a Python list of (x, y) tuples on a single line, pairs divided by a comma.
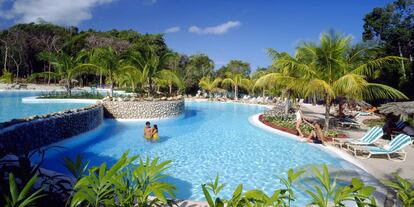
[(327, 110), (48, 80), (17, 72), (236, 92), (287, 104), (314, 99), (69, 86), (111, 89), (100, 78), (151, 88), (5, 56)]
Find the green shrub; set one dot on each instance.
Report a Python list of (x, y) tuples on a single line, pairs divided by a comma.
[(7, 77), (324, 194), (22, 198), (289, 122), (65, 95), (280, 197), (124, 184), (403, 188)]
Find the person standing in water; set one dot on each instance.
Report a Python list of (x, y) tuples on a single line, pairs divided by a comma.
[(147, 131), (155, 133)]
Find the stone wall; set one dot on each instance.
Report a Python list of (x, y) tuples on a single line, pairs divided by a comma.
[(143, 109), (21, 135)]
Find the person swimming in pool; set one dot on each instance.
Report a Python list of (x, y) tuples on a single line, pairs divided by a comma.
[(155, 133), (148, 131)]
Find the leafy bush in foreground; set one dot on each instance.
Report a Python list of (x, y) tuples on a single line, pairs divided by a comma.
[(403, 189), (126, 184), (24, 198), (326, 193)]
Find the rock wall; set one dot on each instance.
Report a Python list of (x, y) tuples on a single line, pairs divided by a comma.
[(31, 133), (143, 109)]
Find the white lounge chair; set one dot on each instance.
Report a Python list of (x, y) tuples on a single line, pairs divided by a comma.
[(395, 146)]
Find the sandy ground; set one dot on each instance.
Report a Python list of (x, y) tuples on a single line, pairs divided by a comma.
[(379, 166), (42, 87)]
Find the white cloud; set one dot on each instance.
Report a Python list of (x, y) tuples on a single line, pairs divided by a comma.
[(172, 29), (66, 12), (217, 30)]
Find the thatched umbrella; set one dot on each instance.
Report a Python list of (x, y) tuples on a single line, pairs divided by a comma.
[(402, 109)]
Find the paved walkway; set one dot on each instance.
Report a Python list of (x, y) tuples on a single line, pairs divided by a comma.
[(380, 167)]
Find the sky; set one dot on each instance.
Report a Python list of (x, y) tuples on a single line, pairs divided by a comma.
[(222, 29)]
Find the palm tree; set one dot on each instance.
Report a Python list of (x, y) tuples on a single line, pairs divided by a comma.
[(48, 57), (150, 64), (331, 69), (66, 70), (129, 76), (170, 79), (285, 79), (236, 81), (210, 85), (105, 61)]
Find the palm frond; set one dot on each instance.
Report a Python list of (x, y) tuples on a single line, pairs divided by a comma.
[(371, 66), (350, 85), (380, 91)]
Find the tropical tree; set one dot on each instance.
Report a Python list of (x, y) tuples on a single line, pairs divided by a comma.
[(48, 57), (285, 79), (234, 66), (104, 61), (129, 76), (195, 68), (332, 68), (66, 70), (170, 79), (236, 81), (150, 64), (210, 85)]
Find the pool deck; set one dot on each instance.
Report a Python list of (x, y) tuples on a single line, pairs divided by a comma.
[(380, 167)]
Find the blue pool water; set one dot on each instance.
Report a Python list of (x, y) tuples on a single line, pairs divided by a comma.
[(11, 106), (210, 138)]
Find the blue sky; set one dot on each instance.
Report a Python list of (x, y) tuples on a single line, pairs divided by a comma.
[(222, 29)]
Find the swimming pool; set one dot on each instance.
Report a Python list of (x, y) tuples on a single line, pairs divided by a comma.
[(209, 138), (12, 107)]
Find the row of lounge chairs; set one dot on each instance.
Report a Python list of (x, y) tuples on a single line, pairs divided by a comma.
[(350, 121), (367, 147)]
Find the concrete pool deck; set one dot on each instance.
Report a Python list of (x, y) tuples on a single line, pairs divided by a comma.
[(380, 167)]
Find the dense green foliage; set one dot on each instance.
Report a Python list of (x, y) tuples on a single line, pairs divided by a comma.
[(124, 184), (325, 193), (403, 188), (63, 95), (22, 198), (46, 53), (392, 28)]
